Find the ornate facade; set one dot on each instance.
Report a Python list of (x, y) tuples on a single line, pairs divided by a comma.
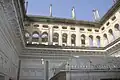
[(42, 48)]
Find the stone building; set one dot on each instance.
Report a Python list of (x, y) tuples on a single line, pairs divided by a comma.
[(50, 48)]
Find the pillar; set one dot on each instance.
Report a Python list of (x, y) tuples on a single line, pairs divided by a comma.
[(77, 37), (46, 69), (19, 68), (60, 37), (94, 41), (69, 39), (86, 40), (30, 39), (50, 36)]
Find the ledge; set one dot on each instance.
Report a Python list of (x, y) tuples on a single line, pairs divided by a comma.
[(62, 47)]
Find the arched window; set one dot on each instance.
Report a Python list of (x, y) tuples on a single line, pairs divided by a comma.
[(117, 30), (98, 41), (44, 37), (90, 40), (117, 27), (64, 38), (27, 36), (35, 37), (73, 39), (105, 39), (82, 39), (111, 35), (55, 37)]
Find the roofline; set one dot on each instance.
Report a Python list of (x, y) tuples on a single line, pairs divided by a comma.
[(110, 12), (48, 19), (38, 18)]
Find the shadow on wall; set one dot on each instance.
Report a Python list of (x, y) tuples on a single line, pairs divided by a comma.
[(2, 77)]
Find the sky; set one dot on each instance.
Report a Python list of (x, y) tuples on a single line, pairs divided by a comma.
[(63, 8)]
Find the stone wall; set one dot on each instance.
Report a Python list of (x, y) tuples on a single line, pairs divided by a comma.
[(9, 42), (32, 69)]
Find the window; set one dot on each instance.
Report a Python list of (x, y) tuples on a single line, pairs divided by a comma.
[(81, 29), (55, 37), (117, 27), (102, 28), (83, 39), (96, 30), (64, 27), (36, 25), (63, 44), (35, 37), (113, 18), (45, 26), (27, 25), (112, 37), (56, 45), (110, 31), (73, 39), (44, 37), (64, 38), (89, 29), (107, 23), (27, 36), (105, 39), (91, 40), (72, 28), (98, 41), (35, 34), (105, 36), (55, 27)]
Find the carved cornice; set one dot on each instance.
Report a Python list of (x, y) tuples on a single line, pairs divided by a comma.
[(70, 52), (57, 54)]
